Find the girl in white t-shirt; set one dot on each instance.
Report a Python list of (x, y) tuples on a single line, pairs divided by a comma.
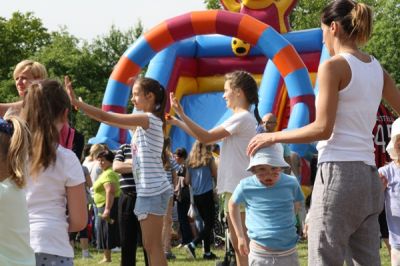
[(56, 180), (14, 223), (152, 186), (240, 92)]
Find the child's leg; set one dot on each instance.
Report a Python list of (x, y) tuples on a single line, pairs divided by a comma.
[(167, 227), (240, 260), (151, 236)]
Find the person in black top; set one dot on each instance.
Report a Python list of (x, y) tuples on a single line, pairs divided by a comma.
[(129, 226)]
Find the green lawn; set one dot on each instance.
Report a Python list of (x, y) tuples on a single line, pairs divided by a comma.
[(181, 259)]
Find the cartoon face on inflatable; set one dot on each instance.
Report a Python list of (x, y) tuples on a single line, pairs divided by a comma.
[(239, 47)]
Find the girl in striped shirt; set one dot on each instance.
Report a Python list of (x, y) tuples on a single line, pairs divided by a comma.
[(153, 188)]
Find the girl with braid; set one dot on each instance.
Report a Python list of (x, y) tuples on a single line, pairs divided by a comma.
[(240, 92)]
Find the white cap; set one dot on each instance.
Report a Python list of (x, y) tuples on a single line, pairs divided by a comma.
[(271, 155), (393, 137)]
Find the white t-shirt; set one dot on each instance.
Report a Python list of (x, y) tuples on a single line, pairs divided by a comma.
[(14, 227), (233, 159), (46, 196)]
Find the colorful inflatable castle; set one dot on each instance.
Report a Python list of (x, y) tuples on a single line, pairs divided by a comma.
[(191, 53)]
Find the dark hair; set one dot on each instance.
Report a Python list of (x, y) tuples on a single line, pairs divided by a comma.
[(107, 155), (181, 153), (243, 80), (149, 85), (354, 18), (44, 104)]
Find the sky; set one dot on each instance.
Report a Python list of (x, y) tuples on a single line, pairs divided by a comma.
[(87, 19)]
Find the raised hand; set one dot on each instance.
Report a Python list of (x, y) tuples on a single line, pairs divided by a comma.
[(175, 104), (259, 141), (70, 90)]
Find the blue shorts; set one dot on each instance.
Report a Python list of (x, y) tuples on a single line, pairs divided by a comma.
[(156, 205)]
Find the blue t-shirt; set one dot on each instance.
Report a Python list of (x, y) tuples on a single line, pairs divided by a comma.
[(392, 202), (270, 216), (200, 179)]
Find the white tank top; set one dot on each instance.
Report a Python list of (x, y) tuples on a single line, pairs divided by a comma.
[(358, 103)]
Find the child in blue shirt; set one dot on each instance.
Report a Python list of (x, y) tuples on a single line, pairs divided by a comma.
[(271, 199), (391, 172)]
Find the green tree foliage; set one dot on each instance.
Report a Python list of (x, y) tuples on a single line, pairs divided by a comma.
[(212, 4)]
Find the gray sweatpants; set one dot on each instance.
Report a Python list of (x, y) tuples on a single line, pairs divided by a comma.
[(347, 199)]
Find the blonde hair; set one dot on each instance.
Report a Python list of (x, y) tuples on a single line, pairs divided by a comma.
[(354, 18), (37, 70), (14, 148), (95, 150), (200, 155), (44, 105)]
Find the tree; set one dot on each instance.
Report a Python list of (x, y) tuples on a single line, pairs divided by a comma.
[(21, 36), (212, 4)]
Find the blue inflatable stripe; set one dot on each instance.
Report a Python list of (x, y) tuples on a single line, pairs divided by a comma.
[(271, 42), (298, 83), (306, 40), (140, 52), (116, 93), (268, 88)]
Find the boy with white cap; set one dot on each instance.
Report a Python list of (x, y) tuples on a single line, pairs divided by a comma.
[(391, 172), (271, 199)]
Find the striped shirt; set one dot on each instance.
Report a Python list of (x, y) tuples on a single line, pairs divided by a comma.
[(126, 180), (174, 166), (149, 174)]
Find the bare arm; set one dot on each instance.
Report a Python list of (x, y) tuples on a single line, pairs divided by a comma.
[(390, 93), (110, 194), (126, 121), (187, 179), (297, 207), (5, 106), (88, 181), (214, 170), (194, 129), (77, 208), (322, 127), (124, 167), (234, 214)]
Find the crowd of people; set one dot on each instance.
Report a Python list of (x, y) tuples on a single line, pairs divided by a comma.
[(47, 194)]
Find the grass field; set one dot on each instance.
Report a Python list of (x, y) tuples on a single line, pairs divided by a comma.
[(181, 259)]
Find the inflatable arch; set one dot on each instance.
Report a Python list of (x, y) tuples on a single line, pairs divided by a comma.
[(283, 55)]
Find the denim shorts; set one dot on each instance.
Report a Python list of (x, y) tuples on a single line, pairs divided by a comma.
[(156, 205)]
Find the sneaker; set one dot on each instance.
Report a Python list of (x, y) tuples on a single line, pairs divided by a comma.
[(190, 251), (170, 256), (87, 257), (210, 256)]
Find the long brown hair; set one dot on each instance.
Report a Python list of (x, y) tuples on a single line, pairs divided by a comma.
[(200, 155), (44, 105), (355, 19), (14, 147)]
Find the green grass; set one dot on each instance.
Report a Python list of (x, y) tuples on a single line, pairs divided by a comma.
[(181, 259)]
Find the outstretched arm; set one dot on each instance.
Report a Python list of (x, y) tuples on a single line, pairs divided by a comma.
[(390, 93), (5, 106), (126, 121), (322, 127), (194, 129)]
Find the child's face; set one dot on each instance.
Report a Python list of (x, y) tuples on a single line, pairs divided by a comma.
[(268, 175), (230, 95), (141, 101), (104, 164)]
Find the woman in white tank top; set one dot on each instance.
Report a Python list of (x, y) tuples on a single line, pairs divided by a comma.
[(347, 196)]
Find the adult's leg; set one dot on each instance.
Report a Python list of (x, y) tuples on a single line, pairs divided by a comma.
[(151, 236), (128, 227), (340, 204), (206, 208)]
